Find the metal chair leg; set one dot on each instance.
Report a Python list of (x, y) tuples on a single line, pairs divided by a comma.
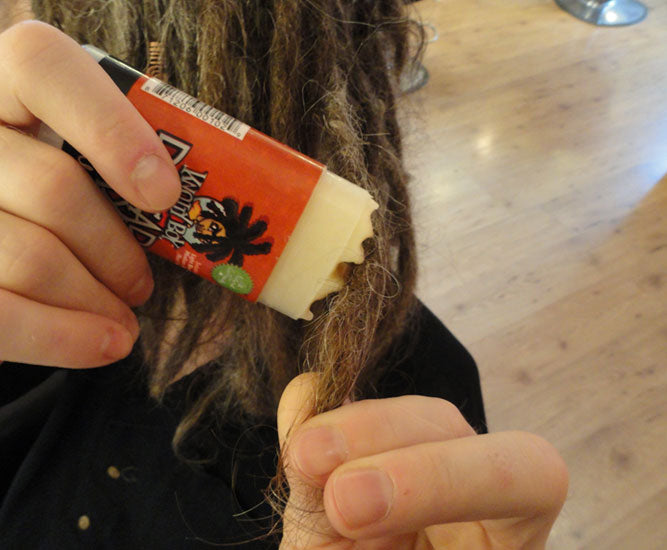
[(607, 13)]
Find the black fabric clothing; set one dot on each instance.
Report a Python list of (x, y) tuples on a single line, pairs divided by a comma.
[(87, 462), (27, 396)]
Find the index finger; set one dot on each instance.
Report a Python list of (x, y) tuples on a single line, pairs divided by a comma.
[(371, 427), (47, 76), (497, 476)]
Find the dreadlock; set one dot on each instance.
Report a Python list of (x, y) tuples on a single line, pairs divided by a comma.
[(320, 76)]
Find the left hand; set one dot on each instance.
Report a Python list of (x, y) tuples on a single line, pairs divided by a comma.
[(410, 473)]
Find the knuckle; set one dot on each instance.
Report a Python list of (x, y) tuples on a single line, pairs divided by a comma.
[(438, 461), (29, 50), (455, 419), (40, 174), (113, 129), (439, 413), (27, 268), (58, 177), (109, 126), (447, 409), (24, 41)]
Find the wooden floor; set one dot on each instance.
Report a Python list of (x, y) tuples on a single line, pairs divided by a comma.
[(539, 154)]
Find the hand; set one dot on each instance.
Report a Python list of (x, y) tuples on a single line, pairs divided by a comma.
[(410, 473), (69, 268)]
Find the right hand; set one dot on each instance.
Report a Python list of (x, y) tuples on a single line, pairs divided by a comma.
[(410, 473), (69, 268)]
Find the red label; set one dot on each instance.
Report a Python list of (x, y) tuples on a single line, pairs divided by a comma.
[(243, 192)]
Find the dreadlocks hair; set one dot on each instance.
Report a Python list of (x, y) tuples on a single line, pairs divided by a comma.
[(322, 77)]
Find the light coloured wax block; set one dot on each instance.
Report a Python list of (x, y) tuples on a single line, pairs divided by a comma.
[(329, 232)]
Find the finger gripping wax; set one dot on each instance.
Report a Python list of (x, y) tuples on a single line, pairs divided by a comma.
[(254, 215)]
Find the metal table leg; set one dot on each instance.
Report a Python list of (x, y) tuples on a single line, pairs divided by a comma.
[(608, 13)]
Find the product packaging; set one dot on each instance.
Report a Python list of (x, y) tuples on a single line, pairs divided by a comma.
[(254, 215)]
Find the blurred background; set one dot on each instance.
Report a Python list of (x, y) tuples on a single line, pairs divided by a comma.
[(538, 148)]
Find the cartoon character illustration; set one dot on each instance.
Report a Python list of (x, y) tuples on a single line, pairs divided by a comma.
[(220, 231)]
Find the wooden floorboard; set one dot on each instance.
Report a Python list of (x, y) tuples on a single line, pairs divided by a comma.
[(539, 155)]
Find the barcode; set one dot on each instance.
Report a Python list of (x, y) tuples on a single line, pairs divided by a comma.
[(193, 106)]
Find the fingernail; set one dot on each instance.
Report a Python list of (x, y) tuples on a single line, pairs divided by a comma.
[(155, 182), (131, 324), (116, 344), (142, 289), (318, 451), (363, 497)]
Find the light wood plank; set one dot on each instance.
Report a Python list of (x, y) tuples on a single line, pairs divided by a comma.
[(539, 153)]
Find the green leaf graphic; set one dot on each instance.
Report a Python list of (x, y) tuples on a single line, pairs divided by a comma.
[(232, 277)]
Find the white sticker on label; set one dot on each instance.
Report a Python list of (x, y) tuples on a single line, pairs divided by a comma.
[(196, 108)]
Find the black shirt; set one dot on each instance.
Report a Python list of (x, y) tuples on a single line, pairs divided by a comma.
[(86, 458)]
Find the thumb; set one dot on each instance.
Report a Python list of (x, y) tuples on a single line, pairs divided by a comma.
[(305, 524), (296, 405)]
